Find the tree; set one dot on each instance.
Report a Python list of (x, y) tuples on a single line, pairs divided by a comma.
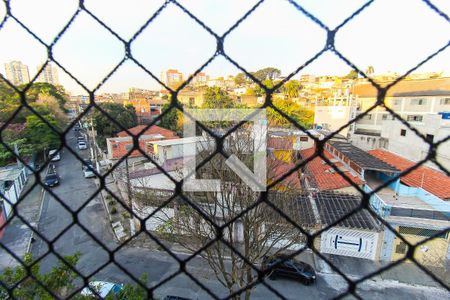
[(124, 115), (39, 134), (257, 233), (301, 115), (353, 74), (60, 280), (240, 79), (215, 97), (267, 73), (291, 88), (370, 70), (172, 119)]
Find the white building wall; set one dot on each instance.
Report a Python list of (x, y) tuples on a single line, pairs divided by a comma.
[(412, 146), (350, 242), (332, 117)]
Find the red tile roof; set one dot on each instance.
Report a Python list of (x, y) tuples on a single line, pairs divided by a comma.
[(320, 174), (152, 130), (280, 143), (119, 146), (432, 181), (277, 168)]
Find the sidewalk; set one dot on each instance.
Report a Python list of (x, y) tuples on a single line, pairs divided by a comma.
[(17, 237), (405, 272)]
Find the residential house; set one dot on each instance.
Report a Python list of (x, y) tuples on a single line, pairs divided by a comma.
[(431, 180), (358, 235), (398, 138), (119, 146), (411, 99), (12, 182)]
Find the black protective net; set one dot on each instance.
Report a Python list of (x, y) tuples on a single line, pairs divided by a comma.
[(114, 253)]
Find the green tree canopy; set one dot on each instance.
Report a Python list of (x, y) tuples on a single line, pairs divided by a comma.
[(59, 280), (39, 135), (215, 97), (240, 79), (291, 88), (353, 74), (267, 73), (124, 115), (302, 116)]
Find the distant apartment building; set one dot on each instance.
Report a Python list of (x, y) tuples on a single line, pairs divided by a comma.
[(200, 79), (398, 138), (411, 99), (48, 75), (17, 72), (171, 78)]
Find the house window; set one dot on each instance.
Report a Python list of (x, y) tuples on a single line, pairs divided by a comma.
[(401, 248), (445, 101), (418, 101), (414, 118), (303, 139), (430, 138), (403, 132), (384, 117), (397, 102)]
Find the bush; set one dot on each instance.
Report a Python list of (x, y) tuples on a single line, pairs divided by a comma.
[(113, 210), (111, 203), (125, 215)]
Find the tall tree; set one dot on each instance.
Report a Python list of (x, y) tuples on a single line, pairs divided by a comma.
[(301, 115), (40, 135), (267, 73), (291, 88), (172, 119), (60, 280), (240, 79), (215, 97), (124, 115), (256, 233), (353, 74)]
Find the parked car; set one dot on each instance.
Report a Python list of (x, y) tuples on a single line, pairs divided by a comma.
[(82, 145), (103, 289), (88, 169), (52, 178), (54, 155), (289, 268)]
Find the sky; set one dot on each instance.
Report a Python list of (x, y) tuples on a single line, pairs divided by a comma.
[(390, 35)]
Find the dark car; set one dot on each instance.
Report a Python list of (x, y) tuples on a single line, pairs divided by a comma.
[(278, 266), (51, 179)]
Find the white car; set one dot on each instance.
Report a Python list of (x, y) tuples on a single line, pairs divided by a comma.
[(54, 155), (103, 289), (82, 145)]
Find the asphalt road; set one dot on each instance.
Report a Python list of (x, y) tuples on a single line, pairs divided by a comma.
[(75, 190)]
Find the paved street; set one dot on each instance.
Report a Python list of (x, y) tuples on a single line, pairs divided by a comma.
[(75, 190)]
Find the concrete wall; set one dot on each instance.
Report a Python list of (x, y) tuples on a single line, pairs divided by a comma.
[(432, 124), (332, 117)]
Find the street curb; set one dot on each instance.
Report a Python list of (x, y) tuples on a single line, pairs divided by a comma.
[(41, 207), (105, 205)]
